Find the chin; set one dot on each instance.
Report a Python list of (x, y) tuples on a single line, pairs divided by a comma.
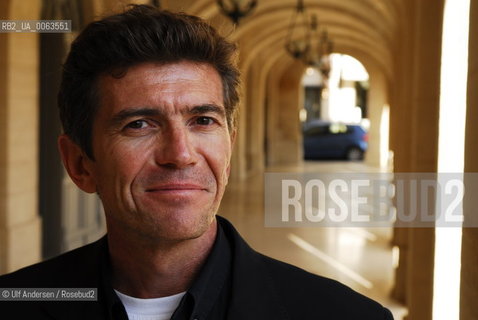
[(178, 227)]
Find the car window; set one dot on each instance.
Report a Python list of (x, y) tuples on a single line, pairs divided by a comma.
[(317, 131)]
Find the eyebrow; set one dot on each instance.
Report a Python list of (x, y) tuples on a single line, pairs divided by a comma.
[(207, 108), (155, 112)]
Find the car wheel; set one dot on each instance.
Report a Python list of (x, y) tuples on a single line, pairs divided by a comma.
[(354, 154)]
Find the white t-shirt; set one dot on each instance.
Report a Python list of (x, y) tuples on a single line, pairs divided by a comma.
[(150, 309)]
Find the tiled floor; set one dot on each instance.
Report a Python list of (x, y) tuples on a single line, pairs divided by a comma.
[(359, 257)]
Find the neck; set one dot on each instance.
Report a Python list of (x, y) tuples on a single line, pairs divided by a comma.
[(146, 269)]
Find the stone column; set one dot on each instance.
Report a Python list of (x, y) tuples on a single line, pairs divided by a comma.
[(284, 135), (20, 228), (377, 100), (414, 139), (255, 118), (469, 253)]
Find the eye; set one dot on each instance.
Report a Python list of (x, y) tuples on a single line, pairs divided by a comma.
[(204, 121), (137, 124)]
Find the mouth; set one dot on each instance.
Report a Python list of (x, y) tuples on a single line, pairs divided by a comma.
[(176, 188)]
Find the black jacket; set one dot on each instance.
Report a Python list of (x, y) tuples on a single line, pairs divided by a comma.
[(261, 288)]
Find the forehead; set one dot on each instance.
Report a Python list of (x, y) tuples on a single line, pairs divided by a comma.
[(162, 85)]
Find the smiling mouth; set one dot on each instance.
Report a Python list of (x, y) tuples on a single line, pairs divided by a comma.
[(176, 188)]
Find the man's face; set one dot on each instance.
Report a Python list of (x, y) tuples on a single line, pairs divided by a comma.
[(162, 149)]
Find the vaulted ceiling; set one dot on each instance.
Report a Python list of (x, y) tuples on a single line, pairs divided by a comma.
[(363, 28)]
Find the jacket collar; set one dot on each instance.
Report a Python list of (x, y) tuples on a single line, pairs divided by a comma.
[(254, 295)]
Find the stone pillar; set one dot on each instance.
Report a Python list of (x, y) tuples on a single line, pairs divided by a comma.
[(401, 137), (377, 100), (426, 105), (469, 253), (414, 139), (284, 137), (20, 228), (255, 83)]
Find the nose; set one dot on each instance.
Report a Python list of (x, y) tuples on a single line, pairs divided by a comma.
[(177, 149)]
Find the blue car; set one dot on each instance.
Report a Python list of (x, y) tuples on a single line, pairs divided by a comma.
[(326, 140)]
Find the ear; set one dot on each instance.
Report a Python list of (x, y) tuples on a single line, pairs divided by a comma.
[(233, 137), (77, 164), (233, 140)]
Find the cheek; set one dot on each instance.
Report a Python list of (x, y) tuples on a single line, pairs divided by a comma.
[(120, 166), (218, 156)]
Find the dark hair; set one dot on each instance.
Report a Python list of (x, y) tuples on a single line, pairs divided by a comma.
[(140, 34)]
